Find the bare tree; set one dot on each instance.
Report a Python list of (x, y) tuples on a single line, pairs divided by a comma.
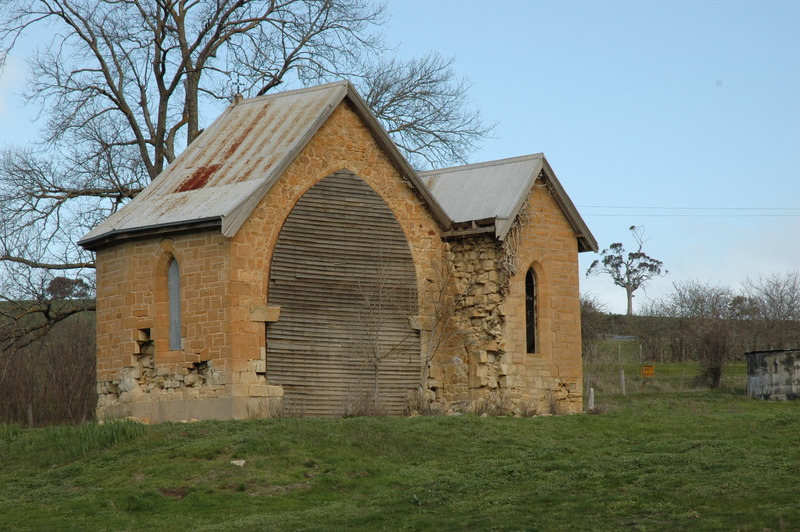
[(52, 380), (660, 334), (382, 297), (594, 322), (630, 270), (421, 103), (121, 85), (378, 340), (774, 308), (37, 305), (707, 322)]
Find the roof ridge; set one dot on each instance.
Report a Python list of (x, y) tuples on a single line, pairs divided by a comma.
[(484, 164), (294, 92)]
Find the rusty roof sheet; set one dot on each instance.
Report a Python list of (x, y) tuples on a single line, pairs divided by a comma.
[(497, 190), (241, 152)]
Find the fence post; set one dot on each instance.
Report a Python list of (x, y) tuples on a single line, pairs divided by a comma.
[(590, 406), (622, 381)]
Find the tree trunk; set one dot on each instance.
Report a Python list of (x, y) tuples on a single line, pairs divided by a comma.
[(376, 385), (629, 293), (192, 106)]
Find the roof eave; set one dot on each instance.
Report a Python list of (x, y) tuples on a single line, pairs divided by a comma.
[(116, 236), (190, 151)]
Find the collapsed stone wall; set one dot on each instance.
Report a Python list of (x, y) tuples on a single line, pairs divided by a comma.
[(489, 360), (472, 365), (163, 383), (145, 382)]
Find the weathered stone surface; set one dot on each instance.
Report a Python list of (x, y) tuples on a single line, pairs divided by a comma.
[(192, 379), (132, 372), (264, 313), (127, 385)]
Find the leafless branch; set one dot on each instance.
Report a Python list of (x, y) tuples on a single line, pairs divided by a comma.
[(424, 107)]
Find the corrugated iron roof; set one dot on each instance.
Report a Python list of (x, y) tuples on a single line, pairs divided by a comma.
[(235, 156), (221, 176), (485, 190), (225, 172), (497, 189)]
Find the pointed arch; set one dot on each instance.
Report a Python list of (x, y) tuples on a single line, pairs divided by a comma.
[(174, 298), (167, 288), (343, 275), (531, 311)]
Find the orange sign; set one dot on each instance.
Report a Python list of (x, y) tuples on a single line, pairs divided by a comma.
[(648, 372)]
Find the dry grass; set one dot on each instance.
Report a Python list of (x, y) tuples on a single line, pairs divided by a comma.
[(526, 409), (271, 407), (362, 403), (553, 404), (422, 403), (496, 404)]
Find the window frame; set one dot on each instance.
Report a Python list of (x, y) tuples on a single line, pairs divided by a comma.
[(531, 312), (174, 305)]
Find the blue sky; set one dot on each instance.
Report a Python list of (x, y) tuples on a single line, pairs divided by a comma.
[(675, 115), (673, 112)]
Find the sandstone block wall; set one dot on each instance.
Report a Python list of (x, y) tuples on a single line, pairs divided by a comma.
[(490, 358), (343, 142), (134, 361), (546, 242), (469, 364), (224, 287)]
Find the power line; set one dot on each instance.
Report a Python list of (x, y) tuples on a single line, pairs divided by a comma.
[(705, 212), (587, 214), (690, 208)]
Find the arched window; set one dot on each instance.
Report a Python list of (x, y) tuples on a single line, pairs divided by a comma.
[(174, 292), (530, 310)]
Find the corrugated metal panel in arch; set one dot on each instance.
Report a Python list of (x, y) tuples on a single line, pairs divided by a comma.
[(343, 275)]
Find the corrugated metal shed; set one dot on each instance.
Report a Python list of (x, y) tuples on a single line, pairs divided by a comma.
[(224, 173), (497, 190)]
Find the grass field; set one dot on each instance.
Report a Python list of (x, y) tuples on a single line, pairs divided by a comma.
[(602, 372), (659, 458)]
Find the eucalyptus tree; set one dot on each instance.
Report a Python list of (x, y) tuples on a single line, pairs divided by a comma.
[(630, 270)]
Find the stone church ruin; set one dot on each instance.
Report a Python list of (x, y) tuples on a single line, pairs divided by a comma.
[(290, 259)]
